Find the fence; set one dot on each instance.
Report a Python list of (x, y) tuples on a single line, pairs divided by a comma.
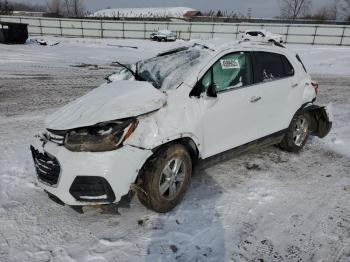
[(292, 33)]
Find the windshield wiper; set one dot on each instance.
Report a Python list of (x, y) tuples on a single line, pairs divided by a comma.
[(134, 73), (173, 51), (203, 46)]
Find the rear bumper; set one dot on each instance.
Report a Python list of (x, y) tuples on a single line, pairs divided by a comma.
[(87, 178)]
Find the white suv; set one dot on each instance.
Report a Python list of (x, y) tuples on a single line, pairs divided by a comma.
[(151, 124), (262, 36), (163, 36)]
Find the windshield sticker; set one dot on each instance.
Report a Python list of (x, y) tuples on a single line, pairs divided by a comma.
[(229, 64)]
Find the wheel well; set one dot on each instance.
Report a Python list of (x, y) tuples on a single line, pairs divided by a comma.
[(320, 123), (187, 142)]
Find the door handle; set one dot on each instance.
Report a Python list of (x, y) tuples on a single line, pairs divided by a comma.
[(294, 85), (255, 99)]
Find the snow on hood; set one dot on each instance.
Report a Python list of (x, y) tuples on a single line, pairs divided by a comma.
[(117, 100)]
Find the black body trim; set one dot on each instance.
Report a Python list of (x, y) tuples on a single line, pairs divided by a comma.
[(91, 186), (269, 140)]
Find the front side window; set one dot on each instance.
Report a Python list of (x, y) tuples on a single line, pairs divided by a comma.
[(272, 66), (229, 72)]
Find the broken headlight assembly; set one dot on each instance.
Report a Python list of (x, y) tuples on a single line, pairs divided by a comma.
[(99, 138)]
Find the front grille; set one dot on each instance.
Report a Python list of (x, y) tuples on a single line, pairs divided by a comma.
[(47, 167)]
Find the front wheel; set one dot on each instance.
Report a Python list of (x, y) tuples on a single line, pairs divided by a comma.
[(165, 178), (297, 133)]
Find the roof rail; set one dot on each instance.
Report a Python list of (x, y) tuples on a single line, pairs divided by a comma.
[(271, 43)]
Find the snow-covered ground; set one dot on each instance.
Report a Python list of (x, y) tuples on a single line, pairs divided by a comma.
[(265, 205)]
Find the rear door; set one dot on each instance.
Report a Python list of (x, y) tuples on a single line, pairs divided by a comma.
[(275, 77)]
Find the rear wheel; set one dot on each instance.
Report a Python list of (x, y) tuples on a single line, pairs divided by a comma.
[(297, 133), (165, 178)]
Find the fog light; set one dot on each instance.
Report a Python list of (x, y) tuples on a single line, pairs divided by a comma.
[(92, 189)]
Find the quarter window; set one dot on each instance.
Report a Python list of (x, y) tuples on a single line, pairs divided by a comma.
[(229, 72), (288, 68)]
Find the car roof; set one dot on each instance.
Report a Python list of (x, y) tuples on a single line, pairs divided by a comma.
[(219, 46)]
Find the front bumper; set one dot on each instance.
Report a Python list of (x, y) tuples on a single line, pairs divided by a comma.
[(119, 168)]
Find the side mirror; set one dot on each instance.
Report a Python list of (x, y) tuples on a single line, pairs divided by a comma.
[(212, 91)]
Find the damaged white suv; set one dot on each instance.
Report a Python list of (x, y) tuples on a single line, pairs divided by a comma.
[(151, 124)]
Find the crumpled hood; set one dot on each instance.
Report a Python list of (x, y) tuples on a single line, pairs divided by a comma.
[(117, 100)]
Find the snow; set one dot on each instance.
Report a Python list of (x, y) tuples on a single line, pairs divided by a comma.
[(173, 12), (325, 60), (117, 100), (265, 204)]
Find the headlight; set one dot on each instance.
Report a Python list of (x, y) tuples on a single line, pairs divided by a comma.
[(99, 138)]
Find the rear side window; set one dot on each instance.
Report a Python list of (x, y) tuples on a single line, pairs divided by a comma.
[(271, 66), (255, 33)]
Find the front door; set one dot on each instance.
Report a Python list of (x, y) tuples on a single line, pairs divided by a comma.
[(232, 118)]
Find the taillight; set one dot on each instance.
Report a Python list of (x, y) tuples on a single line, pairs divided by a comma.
[(315, 86)]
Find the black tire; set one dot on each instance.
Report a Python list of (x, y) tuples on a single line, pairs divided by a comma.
[(154, 175), (291, 141)]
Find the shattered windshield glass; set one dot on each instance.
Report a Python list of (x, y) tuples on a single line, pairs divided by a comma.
[(168, 71)]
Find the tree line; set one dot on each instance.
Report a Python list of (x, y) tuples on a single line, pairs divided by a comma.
[(5, 8), (289, 9), (334, 10), (59, 8), (298, 9), (67, 8)]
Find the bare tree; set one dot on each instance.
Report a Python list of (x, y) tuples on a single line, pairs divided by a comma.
[(73, 8), (77, 8), (342, 9), (5, 8), (323, 14), (66, 7), (292, 9), (54, 7)]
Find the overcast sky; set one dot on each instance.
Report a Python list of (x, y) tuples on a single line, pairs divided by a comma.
[(260, 8)]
